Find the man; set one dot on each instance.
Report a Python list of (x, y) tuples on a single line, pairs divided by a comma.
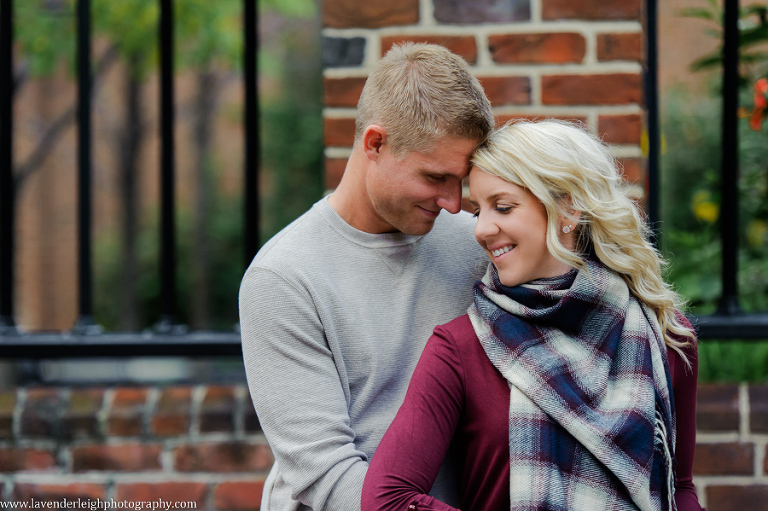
[(336, 308)]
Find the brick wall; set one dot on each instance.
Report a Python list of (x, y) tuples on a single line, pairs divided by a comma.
[(197, 444), (569, 59), (731, 462), (203, 444)]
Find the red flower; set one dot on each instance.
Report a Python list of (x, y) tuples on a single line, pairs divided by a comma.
[(760, 111)]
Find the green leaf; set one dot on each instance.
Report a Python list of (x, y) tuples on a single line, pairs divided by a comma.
[(707, 62), (701, 13)]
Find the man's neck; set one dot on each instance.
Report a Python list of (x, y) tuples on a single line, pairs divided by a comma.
[(350, 199)]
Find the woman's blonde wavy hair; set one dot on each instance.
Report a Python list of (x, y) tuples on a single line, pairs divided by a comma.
[(572, 172)]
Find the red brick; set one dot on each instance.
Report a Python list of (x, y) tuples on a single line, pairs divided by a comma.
[(507, 90), (7, 406), (134, 457), (58, 492), (717, 407), (356, 14), (604, 89), (342, 92), (758, 409), (765, 460), (126, 416), (724, 459), (463, 46), (21, 459), (172, 413), (81, 418), (217, 410), (464, 12), (752, 497), (40, 417), (538, 48), (339, 132), (633, 170), (168, 492), (620, 47), (334, 169), (239, 495), (222, 457), (620, 129), (591, 10)]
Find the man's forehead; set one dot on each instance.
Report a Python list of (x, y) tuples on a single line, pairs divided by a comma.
[(448, 156)]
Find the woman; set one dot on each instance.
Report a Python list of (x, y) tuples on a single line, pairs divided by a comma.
[(571, 382)]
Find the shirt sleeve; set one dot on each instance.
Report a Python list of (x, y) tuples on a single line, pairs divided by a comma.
[(409, 456), (684, 382), (297, 394)]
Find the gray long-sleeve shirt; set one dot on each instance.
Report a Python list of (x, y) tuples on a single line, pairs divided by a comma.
[(333, 321)]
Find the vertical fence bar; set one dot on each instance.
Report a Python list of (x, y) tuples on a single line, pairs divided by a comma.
[(7, 192), (729, 173), (167, 178), (652, 115), (85, 322), (251, 137)]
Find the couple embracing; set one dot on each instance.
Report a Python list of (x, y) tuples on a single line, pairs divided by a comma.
[(392, 367)]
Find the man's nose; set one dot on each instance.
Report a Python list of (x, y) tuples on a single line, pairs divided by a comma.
[(450, 197)]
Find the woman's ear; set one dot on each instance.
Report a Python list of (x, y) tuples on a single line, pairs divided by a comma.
[(570, 216), (374, 138)]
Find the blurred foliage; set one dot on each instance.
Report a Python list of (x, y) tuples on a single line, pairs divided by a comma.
[(45, 30), (733, 361), (691, 203), (291, 127), (226, 229), (691, 196), (753, 34), (691, 230), (208, 35), (45, 34), (291, 168)]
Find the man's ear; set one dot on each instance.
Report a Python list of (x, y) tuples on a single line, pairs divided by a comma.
[(374, 138)]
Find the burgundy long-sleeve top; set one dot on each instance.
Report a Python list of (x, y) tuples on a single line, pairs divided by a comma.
[(457, 399)]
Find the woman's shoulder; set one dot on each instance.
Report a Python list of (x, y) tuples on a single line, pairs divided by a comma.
[(460, 338), (684, 321), (458, 330), (688, 341)]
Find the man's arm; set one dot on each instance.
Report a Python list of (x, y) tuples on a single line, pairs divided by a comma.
[(297, 393), (409, 456)]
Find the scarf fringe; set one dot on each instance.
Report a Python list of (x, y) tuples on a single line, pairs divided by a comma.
[(662, 439)]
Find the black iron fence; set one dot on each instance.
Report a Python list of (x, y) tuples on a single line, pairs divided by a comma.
[(86, 338), (729, 321), (168, 337)]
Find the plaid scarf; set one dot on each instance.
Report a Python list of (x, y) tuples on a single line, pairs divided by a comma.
[(591, 420)]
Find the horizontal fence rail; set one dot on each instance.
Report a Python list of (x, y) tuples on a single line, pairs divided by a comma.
[(170, 339), (119, 344)]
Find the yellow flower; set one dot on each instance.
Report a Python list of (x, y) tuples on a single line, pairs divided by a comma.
[(704, 208), (645, 144), (756, 230)]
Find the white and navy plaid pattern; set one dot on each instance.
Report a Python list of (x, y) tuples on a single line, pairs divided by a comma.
[(588, 377)]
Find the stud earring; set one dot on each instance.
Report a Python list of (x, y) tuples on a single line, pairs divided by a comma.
[(567, 229)]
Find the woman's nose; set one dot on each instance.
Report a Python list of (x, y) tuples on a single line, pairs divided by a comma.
[(485, 226)]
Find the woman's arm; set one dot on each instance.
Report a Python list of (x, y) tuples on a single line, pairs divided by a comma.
[(684, 381), (407, 460)]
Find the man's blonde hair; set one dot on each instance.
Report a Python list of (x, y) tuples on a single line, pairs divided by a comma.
[(569, 170), (420, 93)]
